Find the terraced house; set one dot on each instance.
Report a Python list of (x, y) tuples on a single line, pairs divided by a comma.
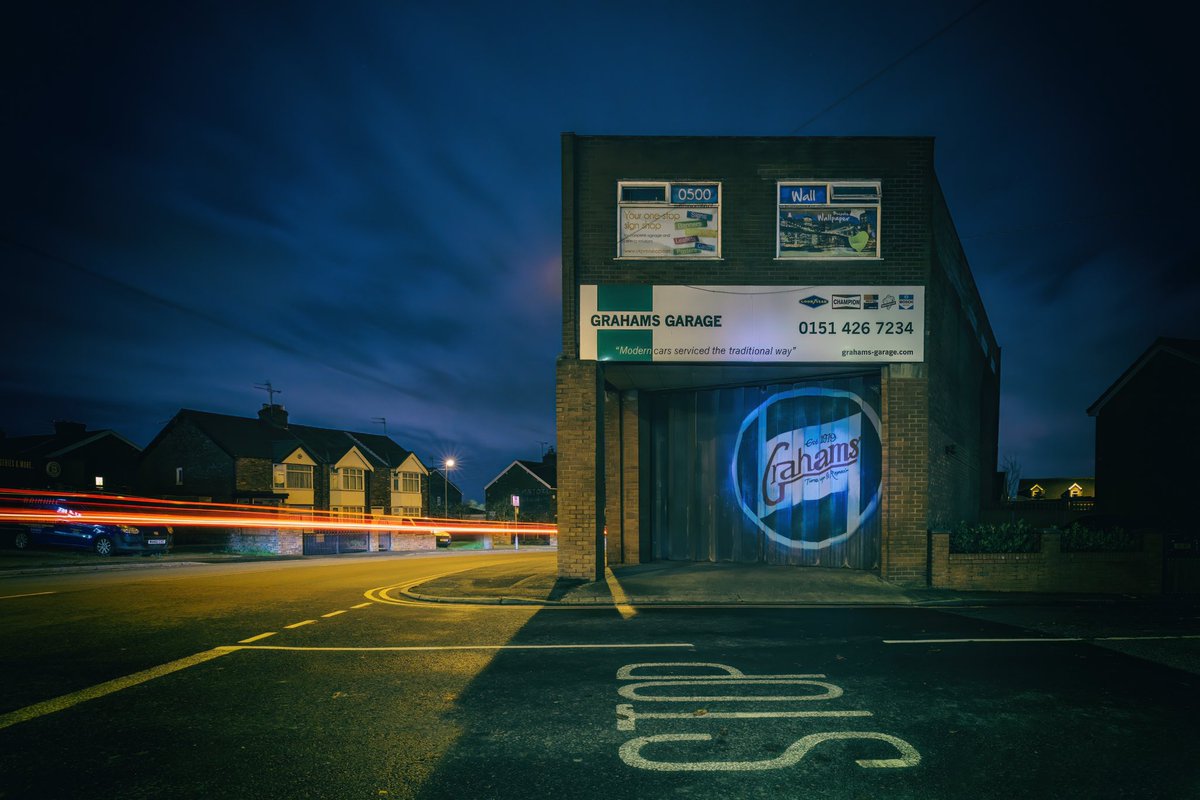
[(268, 460)]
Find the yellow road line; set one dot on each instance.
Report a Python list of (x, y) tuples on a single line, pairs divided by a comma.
[(298, 624), (256, 638), (333, 614), (620, 599), (108, 687), (424, 648), (361, 605)]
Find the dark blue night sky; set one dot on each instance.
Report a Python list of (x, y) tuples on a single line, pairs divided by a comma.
[(361, 201)]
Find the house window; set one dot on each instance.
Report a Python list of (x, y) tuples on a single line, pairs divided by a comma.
[(661, 219), (823, 219), (411, 511), (352, 479), (299, 476), (99, 481), (410, 481), (179, 476)]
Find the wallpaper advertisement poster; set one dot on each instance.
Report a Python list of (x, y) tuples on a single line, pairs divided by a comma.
[(797, 473), (829, 232), (752, 324), (655, 231)]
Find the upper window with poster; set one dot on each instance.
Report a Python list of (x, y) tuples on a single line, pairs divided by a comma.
[(828, 219), (668, 219)]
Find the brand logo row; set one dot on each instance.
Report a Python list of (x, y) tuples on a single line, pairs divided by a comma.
[(861, 302)]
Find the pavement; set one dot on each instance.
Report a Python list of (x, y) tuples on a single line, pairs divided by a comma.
[(535, 582), (688, 583)]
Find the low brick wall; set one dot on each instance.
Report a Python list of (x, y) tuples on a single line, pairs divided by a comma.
[(404, 542), (1050, 570), (263, 540), (291, 542)]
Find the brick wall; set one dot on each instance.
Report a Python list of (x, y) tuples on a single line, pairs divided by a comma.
[(748, 168), (614, 512), (631, 477), (1049, 570), (208, 471), (253, 475), (905, 507), (579, 474)]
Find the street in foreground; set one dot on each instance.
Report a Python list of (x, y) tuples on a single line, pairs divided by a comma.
[(320, 679)]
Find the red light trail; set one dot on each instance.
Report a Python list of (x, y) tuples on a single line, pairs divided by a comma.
[(27, 506)]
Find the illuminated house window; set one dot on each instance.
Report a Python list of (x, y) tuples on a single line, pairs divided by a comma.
[(99, 481), (411, 481), (1037, 491), (352, 479), (1076, 490), (299, 476)]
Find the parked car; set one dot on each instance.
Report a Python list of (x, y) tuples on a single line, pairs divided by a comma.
[(104, 539)]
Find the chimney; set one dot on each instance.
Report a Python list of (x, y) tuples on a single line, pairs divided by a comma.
[(64, 427), (550, 457), (274, 415)]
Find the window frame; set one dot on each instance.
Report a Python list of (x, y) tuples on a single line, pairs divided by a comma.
[(831, 203), (668, 203), (349, 473)]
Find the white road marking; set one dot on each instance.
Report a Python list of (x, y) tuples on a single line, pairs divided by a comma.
[(627, 718), (625, 673), (108, 687), (256, 638), (630, 690), (333, 614), (420, 648), (631, 753), (1041, 639), (298, 624), (31, 594), (1038, 639)]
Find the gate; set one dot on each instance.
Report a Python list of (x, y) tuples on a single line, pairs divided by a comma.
[(332, 543), (781, 474)]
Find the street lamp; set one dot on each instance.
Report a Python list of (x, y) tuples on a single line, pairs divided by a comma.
[(447, 465)]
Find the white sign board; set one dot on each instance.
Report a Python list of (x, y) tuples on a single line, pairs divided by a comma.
[(752, 324), (516, 500)]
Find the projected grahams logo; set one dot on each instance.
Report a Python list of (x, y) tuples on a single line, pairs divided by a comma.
[(806, 466)]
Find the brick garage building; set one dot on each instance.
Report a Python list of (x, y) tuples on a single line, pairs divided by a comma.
[(773, 351)]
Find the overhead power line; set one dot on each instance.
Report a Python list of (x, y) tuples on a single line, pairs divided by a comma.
[(939, 32)]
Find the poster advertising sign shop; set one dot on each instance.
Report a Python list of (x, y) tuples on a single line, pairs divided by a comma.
[(668, 220), (752, 324)]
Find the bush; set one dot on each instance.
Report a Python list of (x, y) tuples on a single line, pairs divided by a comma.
[(1004, 538), (1078, 539)]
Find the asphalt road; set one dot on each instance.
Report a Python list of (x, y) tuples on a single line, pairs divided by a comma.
[(160, 683)]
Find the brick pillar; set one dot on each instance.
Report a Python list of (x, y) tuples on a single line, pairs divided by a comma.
[(614, 500), (940, 574), (580, 473), (906, 474), (630, 471)]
